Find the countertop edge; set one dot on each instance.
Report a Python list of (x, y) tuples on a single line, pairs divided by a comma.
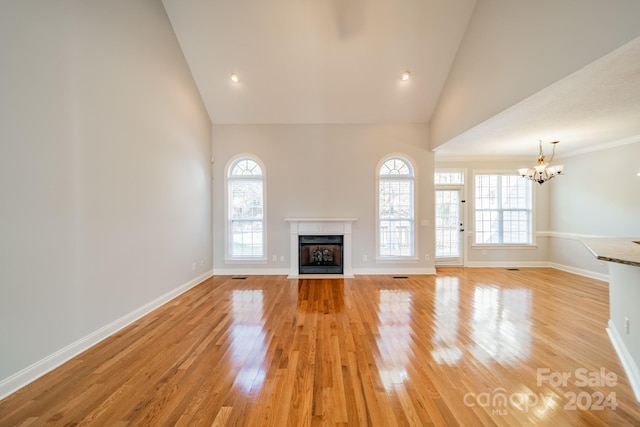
[(619, 250)]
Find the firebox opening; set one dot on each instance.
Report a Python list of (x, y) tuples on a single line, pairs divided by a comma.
[(320, 254)]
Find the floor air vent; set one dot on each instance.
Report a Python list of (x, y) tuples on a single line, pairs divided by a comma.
[(513, 269), (400, 277), (239, 277)]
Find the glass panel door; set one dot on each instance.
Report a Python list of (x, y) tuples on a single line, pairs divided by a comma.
[(449, 227)]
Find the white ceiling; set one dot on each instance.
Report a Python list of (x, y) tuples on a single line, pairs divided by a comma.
[(319, 61), (597, 106), (340, 61)]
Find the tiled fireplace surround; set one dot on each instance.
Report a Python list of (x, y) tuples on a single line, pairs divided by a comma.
[(319, 227)]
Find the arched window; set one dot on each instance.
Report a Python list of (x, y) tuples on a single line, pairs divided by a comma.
[(396, 208), (246, 209)]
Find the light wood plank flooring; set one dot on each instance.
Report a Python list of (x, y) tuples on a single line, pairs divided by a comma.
[(467, 347)]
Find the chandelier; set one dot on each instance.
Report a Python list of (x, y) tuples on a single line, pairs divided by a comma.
[(543, 171)]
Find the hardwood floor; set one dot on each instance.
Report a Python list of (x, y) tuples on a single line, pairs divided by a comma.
[(467, 347)]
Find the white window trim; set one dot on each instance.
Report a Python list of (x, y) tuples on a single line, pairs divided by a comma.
[(228, 259), (397, 259), (497, 246)]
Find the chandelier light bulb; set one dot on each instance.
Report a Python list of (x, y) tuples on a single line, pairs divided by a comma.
[(235, 78), (406, 76)]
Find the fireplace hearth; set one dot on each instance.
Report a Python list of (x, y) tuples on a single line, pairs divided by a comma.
[(320, 254)]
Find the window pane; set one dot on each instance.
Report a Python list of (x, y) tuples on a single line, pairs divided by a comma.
[(396, 238), (246, 167), (246, 209), (246, 239), (453, 177), (487, 227), (395, 167), (395, 209), (503, 209), (486, 192), (514, 192), (516, 227), (396, 198), (246, 199)]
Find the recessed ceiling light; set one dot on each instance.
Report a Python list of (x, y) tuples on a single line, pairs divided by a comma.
[(235, 78), (405, 76)]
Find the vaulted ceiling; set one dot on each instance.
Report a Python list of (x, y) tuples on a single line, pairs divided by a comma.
[(492, 77)]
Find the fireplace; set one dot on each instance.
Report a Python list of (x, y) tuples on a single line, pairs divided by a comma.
[(320, 254), (321, 227)]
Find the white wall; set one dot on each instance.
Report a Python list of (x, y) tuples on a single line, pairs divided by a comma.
[(496, 256), (513, 49), (624, 298), (323, 171), (104, 172), (599, 195)]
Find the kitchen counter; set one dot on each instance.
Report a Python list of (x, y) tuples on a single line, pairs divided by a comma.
[(622, 250)]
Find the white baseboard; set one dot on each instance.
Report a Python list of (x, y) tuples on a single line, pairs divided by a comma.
[(319, 276), (285, 272), (518, 264), (31, 373), (430, 271), (251, 271), (580, 271), (628, 364), (394, 271)]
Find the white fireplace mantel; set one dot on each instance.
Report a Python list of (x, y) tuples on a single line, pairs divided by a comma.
[(319, 227)]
